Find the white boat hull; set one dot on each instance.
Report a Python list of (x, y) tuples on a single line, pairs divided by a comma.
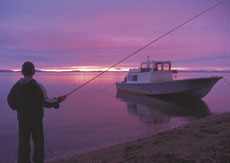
[(197, 87)]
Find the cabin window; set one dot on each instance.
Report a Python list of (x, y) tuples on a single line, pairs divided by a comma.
[(159, 67), (162, 67), (146, 67), (166, 67), (132, 77)]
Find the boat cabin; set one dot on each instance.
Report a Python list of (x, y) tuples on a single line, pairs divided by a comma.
[(150, 72)]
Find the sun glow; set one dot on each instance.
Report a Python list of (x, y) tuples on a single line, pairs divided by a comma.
[(117, 69), (83, 68)]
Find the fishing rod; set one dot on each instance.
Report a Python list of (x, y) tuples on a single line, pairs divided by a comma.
[(145, 46)]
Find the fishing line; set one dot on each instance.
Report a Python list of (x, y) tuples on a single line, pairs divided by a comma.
[(155, 40)]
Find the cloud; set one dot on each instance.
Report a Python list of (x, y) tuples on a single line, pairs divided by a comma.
[(210, 61), (69, 33)]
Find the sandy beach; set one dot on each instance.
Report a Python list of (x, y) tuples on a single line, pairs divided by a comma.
[(205, 140)]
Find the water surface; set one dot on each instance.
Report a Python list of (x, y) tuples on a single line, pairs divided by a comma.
[(94, 117)]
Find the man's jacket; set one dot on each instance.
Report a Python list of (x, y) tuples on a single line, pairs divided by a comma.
[(29, 97)]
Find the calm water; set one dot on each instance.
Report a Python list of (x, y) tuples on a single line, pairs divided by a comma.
[(93, 118)]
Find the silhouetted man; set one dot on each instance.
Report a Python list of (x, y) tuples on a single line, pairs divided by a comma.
[(29, 97)]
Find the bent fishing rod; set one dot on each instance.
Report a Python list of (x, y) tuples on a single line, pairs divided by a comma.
[(150, 43)]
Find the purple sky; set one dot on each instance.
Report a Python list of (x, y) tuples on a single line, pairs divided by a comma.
[(57, 34)]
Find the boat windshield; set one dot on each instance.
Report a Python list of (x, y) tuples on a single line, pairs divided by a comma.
[(160, 66), (155, 66), (146, 67)]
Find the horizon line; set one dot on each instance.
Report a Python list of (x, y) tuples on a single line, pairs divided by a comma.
[(7, 70)]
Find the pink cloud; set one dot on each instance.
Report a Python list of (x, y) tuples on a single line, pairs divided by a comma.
[(106, 34)]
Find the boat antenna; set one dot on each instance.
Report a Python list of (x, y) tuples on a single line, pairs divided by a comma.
[(153, 41), (148, 61)]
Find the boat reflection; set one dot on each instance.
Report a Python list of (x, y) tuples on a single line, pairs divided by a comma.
[(152, 110)]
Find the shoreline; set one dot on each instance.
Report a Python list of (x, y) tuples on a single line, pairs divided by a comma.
[(204, 140)]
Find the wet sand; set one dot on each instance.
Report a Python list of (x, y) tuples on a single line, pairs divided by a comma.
[(205, 140)]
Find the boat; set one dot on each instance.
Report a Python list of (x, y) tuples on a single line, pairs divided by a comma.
[(155, 78)]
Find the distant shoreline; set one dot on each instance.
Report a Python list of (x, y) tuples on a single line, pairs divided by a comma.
[(205, 140), (187, 71)]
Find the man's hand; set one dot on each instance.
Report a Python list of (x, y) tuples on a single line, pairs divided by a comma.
[(56, 105), (62, 98)]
